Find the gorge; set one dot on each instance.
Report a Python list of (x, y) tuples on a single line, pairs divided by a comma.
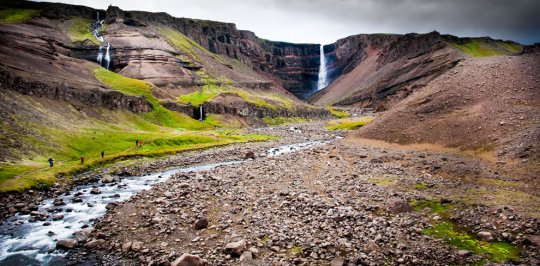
[(180, 141)]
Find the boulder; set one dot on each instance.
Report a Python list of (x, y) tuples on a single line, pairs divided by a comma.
[(106, 178), (533, 240), (94, 244), (188, 260), (485, 236), (66, 243), (95, 191), (337, 262), (201, 224), (235, 248), (137, 246), (126, 246), (246, 259), (400, 206), (80, 236)]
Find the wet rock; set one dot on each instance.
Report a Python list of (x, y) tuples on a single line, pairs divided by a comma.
[(485, 236), (66, 243), (201, 224), (81, 236), (235, 248), (20, 205), (95, 191), (106, 178), (58, 217), (77, 200), (58, 202), (188, 260)]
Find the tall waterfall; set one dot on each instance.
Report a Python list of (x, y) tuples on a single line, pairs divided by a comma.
[(322, 72), (96, 27)]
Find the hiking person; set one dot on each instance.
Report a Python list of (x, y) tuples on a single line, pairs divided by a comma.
[(51, 162), (140, 143), (82, 159), (136, 143), (102, 154)]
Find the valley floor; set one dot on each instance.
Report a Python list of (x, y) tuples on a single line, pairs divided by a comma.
[(346, 202)]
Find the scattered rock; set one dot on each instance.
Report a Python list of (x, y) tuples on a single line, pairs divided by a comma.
[(201, 224), (66, 243), (106, 178), (485, 236), (236, 248), (188, 260)]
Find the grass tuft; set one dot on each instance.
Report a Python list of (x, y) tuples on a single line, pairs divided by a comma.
[(348, 124), (478, 48), (338, 113), (79, 30), (16, 15), (274, 121)]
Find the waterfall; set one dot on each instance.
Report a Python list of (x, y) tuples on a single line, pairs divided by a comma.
[(107, 56), (322, 72), (96, 27), (201, 113)]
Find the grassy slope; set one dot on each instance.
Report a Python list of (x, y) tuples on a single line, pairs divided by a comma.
[(478, 48), (348, 124), (162, 132), (215, 86), (14, 15), (79, 30)]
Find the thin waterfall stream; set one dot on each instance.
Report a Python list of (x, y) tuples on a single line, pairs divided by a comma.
[(323, 82)]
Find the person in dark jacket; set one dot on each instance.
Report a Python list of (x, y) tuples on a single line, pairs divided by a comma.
[(102, 154), (51, 162)]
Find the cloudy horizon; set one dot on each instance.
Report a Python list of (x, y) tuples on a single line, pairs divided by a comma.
[(325, 21)]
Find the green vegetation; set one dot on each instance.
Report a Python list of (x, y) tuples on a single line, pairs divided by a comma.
[(348, 124), (435, 206), (161, 131), (79, 30), (383, 181), (459, 237), (213, 87), (296, 250), (223, 121), (186, 45), (159, 115), (420, 186), (496, 251), (274, 121), (478, 48), (338, 113), (15, 15)]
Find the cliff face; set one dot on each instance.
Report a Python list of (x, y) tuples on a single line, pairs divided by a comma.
[(381, 69), (293, 66)]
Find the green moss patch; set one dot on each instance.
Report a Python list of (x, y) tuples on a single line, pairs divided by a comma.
[(79, 30), (435, 206), (495, 251), (478, 48), (186, 45), (159, 115), (273, 121), (348, 124), (16, 15), (420, 186), (338, 113), (215, 86)]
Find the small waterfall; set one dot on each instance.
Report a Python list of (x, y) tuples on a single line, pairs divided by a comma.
[(107, 56), (96, 27), (322, 72), (201, 118)]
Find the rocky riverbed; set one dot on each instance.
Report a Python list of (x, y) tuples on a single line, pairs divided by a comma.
[(345, 202)]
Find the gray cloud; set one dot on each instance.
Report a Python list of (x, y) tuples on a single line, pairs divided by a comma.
[(324, 21)]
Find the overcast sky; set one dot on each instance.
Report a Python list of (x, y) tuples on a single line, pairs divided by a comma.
[(324, 21)]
